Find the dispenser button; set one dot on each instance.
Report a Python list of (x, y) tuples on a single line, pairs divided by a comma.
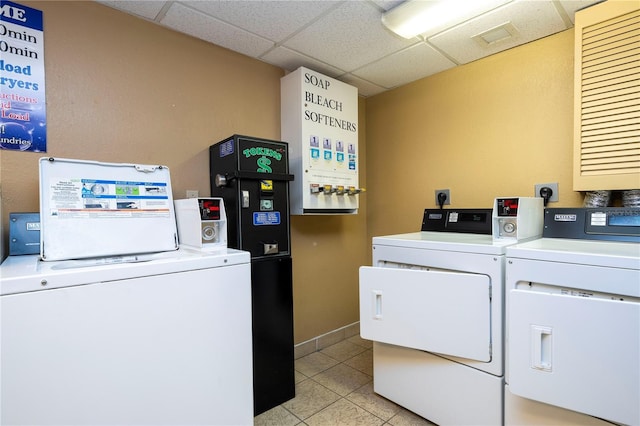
[(353, 190)]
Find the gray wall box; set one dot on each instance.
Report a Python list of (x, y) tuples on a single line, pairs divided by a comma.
[(24, 233), (319, 120)]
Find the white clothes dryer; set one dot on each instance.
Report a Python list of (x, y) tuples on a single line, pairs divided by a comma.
[(433, 304), (573, 320)]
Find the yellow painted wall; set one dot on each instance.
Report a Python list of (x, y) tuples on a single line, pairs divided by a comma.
[(491, 128), (121, 89)]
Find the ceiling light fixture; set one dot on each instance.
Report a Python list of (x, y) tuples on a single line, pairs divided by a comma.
[(428, 17)]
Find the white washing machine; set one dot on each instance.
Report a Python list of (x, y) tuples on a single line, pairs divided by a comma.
[(433, 304), (573, 320), (158, 339)]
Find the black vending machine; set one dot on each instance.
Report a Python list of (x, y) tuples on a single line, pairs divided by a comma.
[(252, 176)]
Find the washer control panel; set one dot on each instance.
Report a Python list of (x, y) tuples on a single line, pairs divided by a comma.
[(601, 223)]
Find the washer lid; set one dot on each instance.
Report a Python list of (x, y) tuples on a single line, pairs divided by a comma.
[(585, 252), (21, 274), (446, 241), (91, 209)]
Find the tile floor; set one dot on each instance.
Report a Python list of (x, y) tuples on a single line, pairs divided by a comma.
[(334, 386)]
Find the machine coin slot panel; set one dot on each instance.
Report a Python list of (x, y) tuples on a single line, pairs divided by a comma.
[(518, 218), (202, 222)]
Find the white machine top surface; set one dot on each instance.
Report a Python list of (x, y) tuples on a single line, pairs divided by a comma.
[(449, 241), (19, 274), (586, 252)]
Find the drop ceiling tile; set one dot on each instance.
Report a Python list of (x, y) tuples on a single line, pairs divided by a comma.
[(145, 9), (443, 16), (531, 19), (338, 37), (405, 66), (274, 20), (388, 4), (365, 88), (348, 37), (571, 6), (197, 24), (291, 61)]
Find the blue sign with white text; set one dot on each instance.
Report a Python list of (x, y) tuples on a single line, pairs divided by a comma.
[(266, 218), (23, 124)]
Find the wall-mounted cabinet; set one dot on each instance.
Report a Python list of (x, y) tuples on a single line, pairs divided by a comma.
[(607, 97)]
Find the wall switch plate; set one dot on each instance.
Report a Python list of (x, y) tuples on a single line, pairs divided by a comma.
[(446, 192), (554, 187), (192, 193)]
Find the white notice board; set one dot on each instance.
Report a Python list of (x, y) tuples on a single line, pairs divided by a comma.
[(93, 209)]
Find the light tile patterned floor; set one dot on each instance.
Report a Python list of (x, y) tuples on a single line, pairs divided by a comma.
[(334, 386)]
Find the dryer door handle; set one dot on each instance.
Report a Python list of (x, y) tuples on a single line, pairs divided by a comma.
[(377, 304), (541, 347)]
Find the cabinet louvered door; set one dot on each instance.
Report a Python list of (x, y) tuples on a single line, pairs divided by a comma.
[(607, 97)]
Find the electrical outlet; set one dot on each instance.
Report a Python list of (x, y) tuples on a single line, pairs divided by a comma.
[(192, 193), (446, 192), (554, 187)]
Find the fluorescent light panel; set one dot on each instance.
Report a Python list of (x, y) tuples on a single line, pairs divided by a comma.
[(428, 17)]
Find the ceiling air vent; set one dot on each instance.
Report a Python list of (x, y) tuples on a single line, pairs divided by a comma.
[(496, 35)]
